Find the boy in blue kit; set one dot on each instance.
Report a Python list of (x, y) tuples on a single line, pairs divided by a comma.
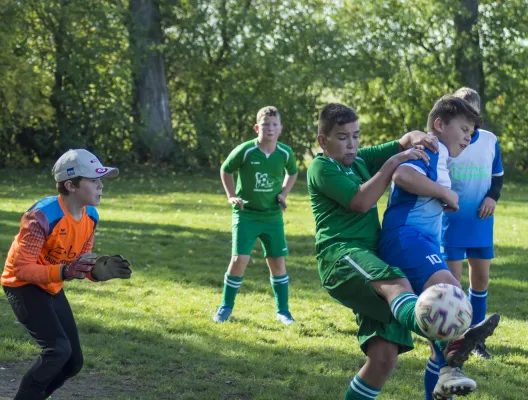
[(412, 224), (476, 176)]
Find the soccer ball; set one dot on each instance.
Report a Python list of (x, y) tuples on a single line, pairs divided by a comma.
[(443, 312)]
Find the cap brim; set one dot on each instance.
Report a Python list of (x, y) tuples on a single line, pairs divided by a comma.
[(105, 172)]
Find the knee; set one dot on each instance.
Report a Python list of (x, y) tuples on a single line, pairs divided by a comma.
[(75, 365), (385, 363), (62, 350), (382, 356)]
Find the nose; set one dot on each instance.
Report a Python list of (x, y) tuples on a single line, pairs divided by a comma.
[(350, 143)]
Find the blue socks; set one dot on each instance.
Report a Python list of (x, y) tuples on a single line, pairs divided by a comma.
[(478, 301)]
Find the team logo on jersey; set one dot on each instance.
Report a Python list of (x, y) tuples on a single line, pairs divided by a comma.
[(469, 170), (262, 183)]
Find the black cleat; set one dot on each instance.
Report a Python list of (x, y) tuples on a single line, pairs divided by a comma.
[(457, 351)]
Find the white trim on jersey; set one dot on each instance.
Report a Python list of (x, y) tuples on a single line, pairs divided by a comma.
[(247, 151), (284, 151), (498, 174), (415, 167)]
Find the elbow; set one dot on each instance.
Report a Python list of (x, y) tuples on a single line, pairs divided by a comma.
[(360, 207), (398, 178)]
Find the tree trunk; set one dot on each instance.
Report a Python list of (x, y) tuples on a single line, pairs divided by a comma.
[(57, 94), (151, 97), (468, 55)]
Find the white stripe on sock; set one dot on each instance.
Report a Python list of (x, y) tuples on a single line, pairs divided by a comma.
[(432, 371), (474, 294), (396, 305), (368, 391), (231, 283), (282, 280)]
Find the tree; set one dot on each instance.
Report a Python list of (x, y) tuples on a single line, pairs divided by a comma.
[(151, 108), (468, 53)]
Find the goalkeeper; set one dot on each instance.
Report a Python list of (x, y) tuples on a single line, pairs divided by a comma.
[(54, 245)]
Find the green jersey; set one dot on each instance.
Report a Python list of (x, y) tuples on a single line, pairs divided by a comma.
[(260, 178), (332, 186)]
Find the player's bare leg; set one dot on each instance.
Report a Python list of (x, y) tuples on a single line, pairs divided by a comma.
[(456, 268), (382, 356)]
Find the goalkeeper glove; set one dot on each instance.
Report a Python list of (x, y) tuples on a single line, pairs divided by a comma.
[(107, 267), (79, 267)]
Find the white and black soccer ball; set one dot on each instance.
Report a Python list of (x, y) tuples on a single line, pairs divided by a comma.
[(443, 312)]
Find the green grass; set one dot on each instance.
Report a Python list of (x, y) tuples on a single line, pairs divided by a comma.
[(152, 337)]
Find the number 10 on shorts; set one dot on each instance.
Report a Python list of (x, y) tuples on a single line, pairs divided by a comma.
[(434, 259)]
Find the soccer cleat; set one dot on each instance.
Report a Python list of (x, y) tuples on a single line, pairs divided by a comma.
[(457, 351), (452, 381), (222, 314), (482, 352), (285, 317)]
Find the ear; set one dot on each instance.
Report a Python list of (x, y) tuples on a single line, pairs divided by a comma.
[(438, 125), (256, 127), (69, 186), (321, 139)]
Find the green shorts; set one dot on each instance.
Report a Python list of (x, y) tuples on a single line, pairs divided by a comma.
[(345, 273), (270, 234)]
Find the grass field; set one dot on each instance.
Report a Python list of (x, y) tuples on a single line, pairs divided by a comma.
[(152, 337)]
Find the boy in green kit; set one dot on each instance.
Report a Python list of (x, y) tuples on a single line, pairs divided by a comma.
[(344, 184), (267, 171)]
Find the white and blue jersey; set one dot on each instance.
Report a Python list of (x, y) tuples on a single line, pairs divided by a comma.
[(412, 224), (471, 174)]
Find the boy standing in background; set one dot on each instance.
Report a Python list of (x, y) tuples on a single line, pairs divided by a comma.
[(267, 171), (476, 176)]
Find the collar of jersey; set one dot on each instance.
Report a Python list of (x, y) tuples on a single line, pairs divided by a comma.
[(475, 137)]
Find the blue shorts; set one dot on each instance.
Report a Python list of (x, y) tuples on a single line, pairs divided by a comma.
[(461, 253), (418, 256)]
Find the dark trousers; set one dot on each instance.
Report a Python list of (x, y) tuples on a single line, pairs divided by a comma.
[(49, 320)]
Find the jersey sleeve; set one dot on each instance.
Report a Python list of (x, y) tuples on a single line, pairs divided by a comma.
[(31, 239), (421, 167), (497, 168), (376, 156), (291, 164), (331, 182), (234, 160)]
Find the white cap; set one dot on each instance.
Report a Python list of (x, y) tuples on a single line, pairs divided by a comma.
[(80, 162)]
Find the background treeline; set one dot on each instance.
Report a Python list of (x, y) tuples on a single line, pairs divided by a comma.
[(180, 81)]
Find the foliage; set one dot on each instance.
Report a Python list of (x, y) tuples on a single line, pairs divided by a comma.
[(66, 72)]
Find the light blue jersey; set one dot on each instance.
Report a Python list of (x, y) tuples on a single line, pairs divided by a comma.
[(471, 174), (412, 224), (424, 213)]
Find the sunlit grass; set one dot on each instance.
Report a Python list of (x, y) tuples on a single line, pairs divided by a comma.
[(152, 337)]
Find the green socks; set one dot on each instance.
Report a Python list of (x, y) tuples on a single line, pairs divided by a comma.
[(402, 308), (231, 286), (279, 285), (359, 390)]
